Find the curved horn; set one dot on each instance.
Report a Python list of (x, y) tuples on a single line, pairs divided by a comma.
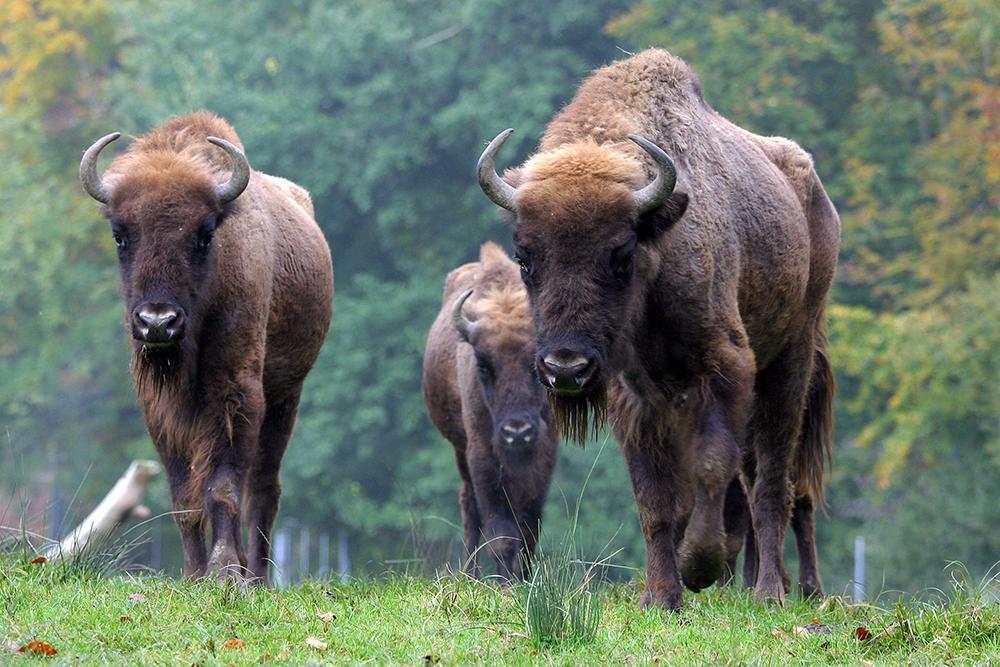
[(464, 327), (91, 180), (237, 183), (498, 190), (662, 186)]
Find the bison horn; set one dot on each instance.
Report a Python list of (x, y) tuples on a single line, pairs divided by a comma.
[(498, 190), (464, 327), (662, 186), (237, 183), (91, 180)]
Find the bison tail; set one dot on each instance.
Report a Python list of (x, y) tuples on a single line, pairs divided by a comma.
[(816, 443)]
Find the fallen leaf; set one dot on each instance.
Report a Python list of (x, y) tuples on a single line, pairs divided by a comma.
[(38, 648), (812, 629), (125, 619), (38, 560), (780, 634), (137, 597), (234, 644), (862, 633), (317, 644), (326, 616)]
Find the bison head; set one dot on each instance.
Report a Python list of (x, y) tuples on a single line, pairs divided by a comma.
[(504, 356), (164, 208), (585, 225)]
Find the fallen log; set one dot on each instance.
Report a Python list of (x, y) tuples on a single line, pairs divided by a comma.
[(122, 502)]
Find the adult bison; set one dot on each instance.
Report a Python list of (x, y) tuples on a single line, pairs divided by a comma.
[(482, 395), (685, 302), (228, 284)]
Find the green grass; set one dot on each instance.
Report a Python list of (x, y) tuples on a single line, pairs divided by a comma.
[(89, 618)]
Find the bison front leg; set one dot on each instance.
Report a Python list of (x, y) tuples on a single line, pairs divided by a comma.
[(502, 538), (472, 527), (188, 511), (658, 494), (718, 427), (231, 458), (736, 518)]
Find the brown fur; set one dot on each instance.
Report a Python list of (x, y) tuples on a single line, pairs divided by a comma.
[(220, 406), (503, 490), (705, 336)]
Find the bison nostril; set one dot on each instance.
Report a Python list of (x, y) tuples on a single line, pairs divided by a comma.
[(566, 365), (157, 320), (517, 430), (158, 323)]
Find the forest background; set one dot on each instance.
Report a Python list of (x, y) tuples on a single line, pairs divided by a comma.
[(380, 110)]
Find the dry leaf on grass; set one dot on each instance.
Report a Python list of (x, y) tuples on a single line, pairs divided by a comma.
[(38, 648), (124, 619), (862, 633), (317, 644), (326, 616), (780, 634), (812, 629), (39, 560), (137, 597), (234, 644)]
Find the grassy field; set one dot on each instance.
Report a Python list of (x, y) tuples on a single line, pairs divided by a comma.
[(124, 619)]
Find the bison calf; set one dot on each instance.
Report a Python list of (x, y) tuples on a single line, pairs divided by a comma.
[(483, 396), (228, 284)]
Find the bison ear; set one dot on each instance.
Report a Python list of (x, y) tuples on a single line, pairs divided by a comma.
[(654, 223)]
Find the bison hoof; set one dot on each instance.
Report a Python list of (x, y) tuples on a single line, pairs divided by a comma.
[(670, 601), (811, 588), (700, 568), (770, 590)]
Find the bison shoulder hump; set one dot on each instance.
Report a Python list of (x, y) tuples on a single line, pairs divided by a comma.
[(296, 192), (794, 162)]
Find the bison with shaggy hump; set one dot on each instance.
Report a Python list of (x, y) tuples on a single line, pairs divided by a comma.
[(228, 284), (683, 297), (482, 395)]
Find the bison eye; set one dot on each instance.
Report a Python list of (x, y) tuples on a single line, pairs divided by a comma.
[(621, 260), (120, 241), (484, 368), (205, 240)]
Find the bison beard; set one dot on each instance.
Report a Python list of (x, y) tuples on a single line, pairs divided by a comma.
[(153, 372), (580, 417)]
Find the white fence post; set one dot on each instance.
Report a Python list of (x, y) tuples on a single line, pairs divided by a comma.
[(859, 568)]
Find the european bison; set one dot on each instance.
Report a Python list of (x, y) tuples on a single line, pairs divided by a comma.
[(228, 285), (482, 395), (691, 315)]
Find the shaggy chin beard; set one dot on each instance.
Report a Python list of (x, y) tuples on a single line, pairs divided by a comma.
[(153, 369), (579, 417)]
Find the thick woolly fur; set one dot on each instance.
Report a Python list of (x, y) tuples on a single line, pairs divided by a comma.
[(708, 348), (257, 297), (475, 383)]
